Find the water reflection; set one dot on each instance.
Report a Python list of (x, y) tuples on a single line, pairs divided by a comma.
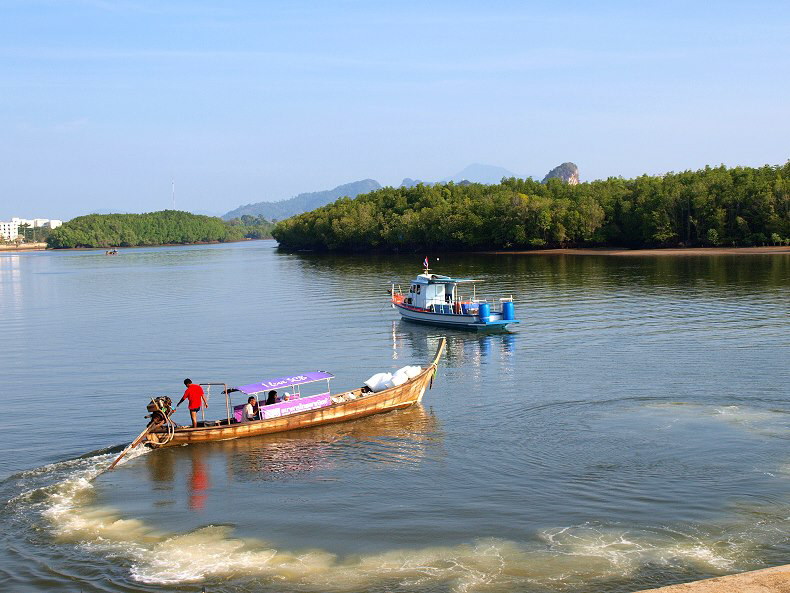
[(394, 437), (10, 281), (557, 271), (411, 340), (161, 467), (402, 436), (198, 481)]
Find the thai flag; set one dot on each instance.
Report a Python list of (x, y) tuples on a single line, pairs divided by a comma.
[(425, 263)]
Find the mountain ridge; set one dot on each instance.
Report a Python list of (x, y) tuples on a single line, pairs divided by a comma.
[(479, 173), (304, 202)]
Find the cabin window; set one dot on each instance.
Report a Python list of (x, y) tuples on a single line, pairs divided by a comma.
[(418, 289)]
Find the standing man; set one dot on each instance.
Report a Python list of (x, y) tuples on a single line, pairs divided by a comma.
[(193, 393)]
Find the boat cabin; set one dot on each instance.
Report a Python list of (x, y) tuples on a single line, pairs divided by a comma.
[(428, 290), (424, 292)]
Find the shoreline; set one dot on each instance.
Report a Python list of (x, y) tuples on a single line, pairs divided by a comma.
[(43, 246), (580, 251), (669, 251), (766, 580), (24, 247)]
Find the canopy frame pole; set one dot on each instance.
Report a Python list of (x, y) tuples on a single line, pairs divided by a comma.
[(227, 401), (227, 397)]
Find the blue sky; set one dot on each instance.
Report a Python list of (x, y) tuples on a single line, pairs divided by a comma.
[(103, 103)]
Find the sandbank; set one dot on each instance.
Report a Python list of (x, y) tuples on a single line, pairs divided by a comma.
[(24, 247)]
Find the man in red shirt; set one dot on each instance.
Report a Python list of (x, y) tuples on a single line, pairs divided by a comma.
[(194, 394)]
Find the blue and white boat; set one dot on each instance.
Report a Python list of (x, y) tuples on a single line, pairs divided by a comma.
[(438, 300)]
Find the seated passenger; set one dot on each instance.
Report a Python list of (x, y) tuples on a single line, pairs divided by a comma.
[(271, 398), (251, 410)]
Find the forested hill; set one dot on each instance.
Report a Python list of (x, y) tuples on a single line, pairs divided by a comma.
[(153, 228), (303, 202), (713, 206)]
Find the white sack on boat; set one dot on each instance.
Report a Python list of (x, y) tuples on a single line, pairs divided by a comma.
[(377, 381), (399, 378), (411, 371)]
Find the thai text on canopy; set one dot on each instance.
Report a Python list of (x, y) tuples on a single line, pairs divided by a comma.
[(283, 382)]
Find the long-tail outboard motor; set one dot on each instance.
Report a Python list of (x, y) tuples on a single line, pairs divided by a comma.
[(160, 407)]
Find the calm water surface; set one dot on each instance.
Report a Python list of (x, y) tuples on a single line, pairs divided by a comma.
[(632, 432)]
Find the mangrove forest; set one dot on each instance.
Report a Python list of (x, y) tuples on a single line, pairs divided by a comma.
[(154, 228), (738, 206)]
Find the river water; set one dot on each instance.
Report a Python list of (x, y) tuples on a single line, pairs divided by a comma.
[(631, 432)]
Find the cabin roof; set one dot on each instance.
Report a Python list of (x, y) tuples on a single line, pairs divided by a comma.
[(438, 279), (282, 382)]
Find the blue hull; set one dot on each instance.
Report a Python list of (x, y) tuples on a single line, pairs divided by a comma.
[(469, 322)]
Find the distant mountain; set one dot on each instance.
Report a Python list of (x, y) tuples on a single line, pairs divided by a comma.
[(568, 172), (303, 202), (477, 173)]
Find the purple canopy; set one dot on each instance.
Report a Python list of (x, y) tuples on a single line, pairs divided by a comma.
[(284, 382), (290, 407)]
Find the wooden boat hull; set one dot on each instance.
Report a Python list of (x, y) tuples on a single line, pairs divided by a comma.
[(401, 396)]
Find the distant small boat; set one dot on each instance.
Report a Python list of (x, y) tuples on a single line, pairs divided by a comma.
[(436, 300), (296, 412), (111, 252)]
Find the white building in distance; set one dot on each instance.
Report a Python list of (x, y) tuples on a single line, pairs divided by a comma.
[(9, 230)]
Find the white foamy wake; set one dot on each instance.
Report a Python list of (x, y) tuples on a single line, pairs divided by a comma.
[(626, 550), (561, 557), (568, 556), (68, 498)]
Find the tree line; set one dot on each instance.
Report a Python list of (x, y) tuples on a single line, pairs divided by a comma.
[(152, 228), (253, 227), (737, 206)]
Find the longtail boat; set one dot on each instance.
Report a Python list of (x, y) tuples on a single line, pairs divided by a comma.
[(297, 412)]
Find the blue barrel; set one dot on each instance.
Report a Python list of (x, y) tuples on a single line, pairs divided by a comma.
[(508, 311), (485, 312)]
